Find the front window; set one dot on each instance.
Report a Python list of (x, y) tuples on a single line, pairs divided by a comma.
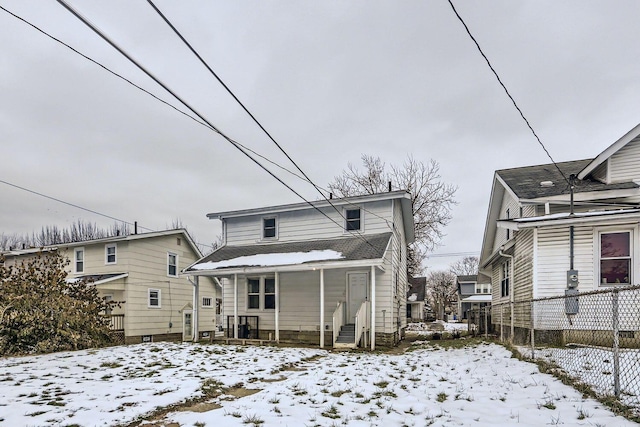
[(268, 228), (615, 258), (154, 298), (253, 293), (505, 278), (352, 220), (78, 257), (110, 254), (172, 265), (261, 293)]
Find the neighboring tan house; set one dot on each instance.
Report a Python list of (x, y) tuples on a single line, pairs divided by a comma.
[(142, 272), (535, 247), (474, 292), (332, 272), (415, 299)]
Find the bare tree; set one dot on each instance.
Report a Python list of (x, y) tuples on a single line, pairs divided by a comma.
[(466, 266), (431, 198), (441, 291)]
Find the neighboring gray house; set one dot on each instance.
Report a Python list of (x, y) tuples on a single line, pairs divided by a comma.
[(331, 272), (416, 299), (474, 292), (142, 272), (531, 235)]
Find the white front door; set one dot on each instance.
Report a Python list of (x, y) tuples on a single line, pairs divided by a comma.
[(356, 294), (187, 325)]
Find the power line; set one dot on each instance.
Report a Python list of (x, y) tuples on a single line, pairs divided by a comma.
[(102, 35), (495, 73)]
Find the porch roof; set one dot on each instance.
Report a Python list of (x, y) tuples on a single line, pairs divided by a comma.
[(99, 279), (301, 255)]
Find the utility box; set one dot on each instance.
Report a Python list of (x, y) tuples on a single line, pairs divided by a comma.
[(572, 278), (571, 301)]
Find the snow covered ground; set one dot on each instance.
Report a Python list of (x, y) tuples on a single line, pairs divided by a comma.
[(480, 385)]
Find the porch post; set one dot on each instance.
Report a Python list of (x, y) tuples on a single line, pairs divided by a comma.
[(196, 298), (235, 306), (321, 308), (277, 314), (373, 307)]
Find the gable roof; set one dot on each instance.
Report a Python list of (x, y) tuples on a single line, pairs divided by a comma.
[(113, 239), (610, 151), (290, 255), (403, 196), (525, 182)]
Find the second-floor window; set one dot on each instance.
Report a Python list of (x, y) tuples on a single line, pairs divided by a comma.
[(78, 260), (269, 230), (172, 264), (110, 254), (352, 220)]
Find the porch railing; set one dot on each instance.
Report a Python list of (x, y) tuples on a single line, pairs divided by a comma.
[(338, 320), (362, 321), (116, 321)]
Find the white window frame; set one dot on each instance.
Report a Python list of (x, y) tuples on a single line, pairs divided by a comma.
[(598, 251), (346, 220), (207, 302), (505, 278), (75, 260), (261, 293), (275, 227), (159, 298), (169, 255), (106, 253)]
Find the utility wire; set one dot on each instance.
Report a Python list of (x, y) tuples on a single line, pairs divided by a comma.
[(188, 106), (230, 92), (495, 73)]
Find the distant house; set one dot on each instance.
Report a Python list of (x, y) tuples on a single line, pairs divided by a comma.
[(534, 244), (333, 272), (416, 299), (142, 272), (474, 292)]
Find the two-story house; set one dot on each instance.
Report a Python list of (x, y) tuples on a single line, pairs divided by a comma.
[(474, 292), (332, 272), (542, 240), (142, 273)]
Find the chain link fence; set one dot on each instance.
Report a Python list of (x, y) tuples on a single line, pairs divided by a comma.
[(594, 337)]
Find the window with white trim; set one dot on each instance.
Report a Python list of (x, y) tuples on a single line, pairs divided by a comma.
[(207, 302), (353, 219), (78, 260), (261, 293), (253, 293), (154, 296), (505, 278), (269, 228), (614, 257), (172, 264), (110, 254)]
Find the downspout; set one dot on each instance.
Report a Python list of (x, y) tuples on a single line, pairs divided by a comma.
[(511, 286), (196, 298)]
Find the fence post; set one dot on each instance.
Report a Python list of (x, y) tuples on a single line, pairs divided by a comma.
[(616, 343), (501, 322), (486, 322), (533, 332)]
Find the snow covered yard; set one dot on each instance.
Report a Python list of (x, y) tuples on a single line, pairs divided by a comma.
[(477, 385)]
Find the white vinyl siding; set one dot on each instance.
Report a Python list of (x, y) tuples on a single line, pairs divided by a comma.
[(623, 165), (511, 205), (309, 224)]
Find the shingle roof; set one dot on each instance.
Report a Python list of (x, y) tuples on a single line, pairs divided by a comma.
[(525, 181), (467, 278), (417, 286), (352, 249)]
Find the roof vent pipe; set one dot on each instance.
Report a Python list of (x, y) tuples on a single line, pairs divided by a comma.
[(135, 227), (330, 196), (389, 186)]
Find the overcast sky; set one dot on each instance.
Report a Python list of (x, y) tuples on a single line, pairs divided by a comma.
[(330, 80)]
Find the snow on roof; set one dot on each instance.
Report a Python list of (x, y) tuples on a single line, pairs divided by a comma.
[(268, 260), (478, 298)]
